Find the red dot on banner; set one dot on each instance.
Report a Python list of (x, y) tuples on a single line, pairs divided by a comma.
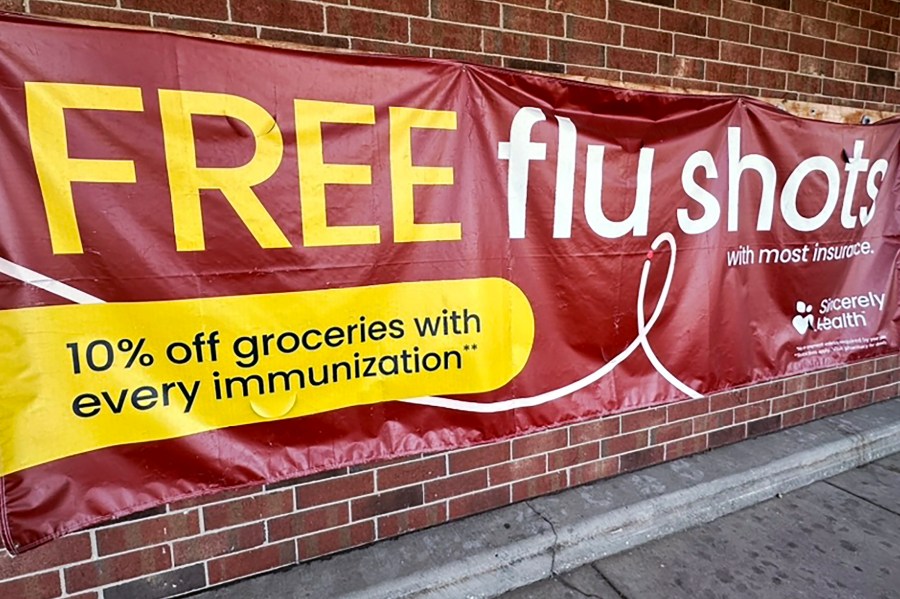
[(650, 255)]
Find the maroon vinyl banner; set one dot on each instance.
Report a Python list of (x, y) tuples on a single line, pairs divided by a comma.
[(225, 264)]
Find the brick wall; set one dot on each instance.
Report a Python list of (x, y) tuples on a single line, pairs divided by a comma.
[(837, 53), (843, 53)]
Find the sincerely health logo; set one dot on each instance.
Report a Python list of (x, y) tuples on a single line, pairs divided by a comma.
[(834, 313)]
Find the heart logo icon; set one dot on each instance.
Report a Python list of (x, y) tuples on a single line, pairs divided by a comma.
[(801, 323), (803, 320)]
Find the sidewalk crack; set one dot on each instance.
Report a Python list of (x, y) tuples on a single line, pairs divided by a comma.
[(597, 569), (557, 576)]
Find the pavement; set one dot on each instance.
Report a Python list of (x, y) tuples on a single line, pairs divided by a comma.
[(812, 511)]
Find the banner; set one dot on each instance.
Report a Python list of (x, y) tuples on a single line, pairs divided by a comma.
[(225, 264)]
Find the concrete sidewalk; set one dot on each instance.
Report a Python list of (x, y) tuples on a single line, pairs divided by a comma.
[(537, 540)]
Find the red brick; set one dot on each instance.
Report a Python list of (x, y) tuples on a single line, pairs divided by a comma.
[(727, 400), (886, 363), (873, 22), (41, 586), (682, 22), (849, 72), (828, 377), (201, 26), (19, 5), (708, 7), (797, 417), (682, 67), (888, 392), (371, 25), (515, 44), (784, 61), (851, 386), (247, 509), (202, 548), (445, 35), (533, 21), (765, 391), (66, 550), (528, 3), (883, 41), (769, 38), (631, 60), (332, 541), (802, 44), (594, 72), (670, 432), (688, 408), (89, 13), (207, 9), (589, 30), (307, 521), (255, 561), (418, 518), (479, 457), (829, 408), (88, 595), (290, 14), (577, 53), (840, 89), (781, 20), (789, 402), (336, 489), (858, 400), (624, 443), (389, 501), (641, 459), (684, 447), (843, 14), (466, 57), (151, 531), (726, 436), (389, 48), (585, 8), (869, 93), (767, 79), (585, 473), (728, 30), (479, 502), (592, 431), (819, 394), (890, 8), (643, 419), (647, 39), (740, 10), (459, 484), (738, 90), (542, 485), (118, 567), (539, 443), (534, 65), (467, 11), (740, 53), (852, 35), (752, 411), (517, 470), (700, 47), (418, 8), (764, 426), (812, 8), (708, 422), (839, 51), (578, 454), (817, 67), (409, 473), (622, 11), (818, 28)]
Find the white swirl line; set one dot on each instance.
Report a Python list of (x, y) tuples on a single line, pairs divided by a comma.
[(639, 341)]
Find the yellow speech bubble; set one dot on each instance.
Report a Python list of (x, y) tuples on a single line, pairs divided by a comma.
[(77, 378)]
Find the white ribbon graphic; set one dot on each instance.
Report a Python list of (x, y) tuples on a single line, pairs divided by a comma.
[(639, 341)]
